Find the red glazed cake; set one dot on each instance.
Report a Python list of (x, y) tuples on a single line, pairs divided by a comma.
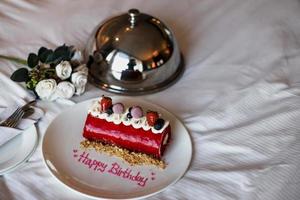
[(129, 128)]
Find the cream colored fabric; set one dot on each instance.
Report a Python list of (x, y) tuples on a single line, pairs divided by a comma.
[(238, 97)]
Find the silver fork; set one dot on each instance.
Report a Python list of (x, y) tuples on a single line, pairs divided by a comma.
[(29, 111), (13, 120)]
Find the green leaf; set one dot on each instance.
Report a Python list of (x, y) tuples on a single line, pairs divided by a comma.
[(32, 60), (14, 59), (63, 47), (46, 55), (50, 58), (62, 53), (31, 84), (20, 75), (42, 50), (71, 51), (58, 59)]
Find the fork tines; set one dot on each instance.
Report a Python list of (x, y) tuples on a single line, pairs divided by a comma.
[(13, 120)]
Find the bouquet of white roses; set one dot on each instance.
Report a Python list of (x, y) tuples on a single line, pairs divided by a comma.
[(58, 73)]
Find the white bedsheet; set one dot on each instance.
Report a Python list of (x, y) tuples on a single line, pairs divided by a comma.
[(238, 97)]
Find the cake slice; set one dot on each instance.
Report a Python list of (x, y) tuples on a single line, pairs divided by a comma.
[(115, 125)]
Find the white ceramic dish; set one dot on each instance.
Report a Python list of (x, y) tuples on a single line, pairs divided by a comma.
[(18, 150), (98, 175)]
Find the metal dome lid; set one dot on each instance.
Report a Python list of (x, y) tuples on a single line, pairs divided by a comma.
[(133, 53)]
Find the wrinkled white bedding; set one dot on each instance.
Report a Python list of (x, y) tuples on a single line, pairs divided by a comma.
[(239, 95)]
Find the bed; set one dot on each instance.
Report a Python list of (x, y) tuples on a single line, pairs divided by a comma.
[(238, 97)]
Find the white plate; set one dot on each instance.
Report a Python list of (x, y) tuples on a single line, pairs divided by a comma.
[(18, 150), (61, 152)]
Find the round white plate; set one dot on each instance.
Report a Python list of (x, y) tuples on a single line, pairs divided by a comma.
[(18, 150), (98, 175)]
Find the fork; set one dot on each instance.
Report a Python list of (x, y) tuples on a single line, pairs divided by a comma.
[(13, 120)]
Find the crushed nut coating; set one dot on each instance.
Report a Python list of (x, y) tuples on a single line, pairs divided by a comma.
[(130, 157)]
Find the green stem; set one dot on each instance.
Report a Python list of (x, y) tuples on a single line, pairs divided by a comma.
[(14, 59)]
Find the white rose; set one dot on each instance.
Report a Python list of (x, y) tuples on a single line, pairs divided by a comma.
[(46, 89), (77, 56), (79, 79), (63, 70), (65, 90), (82, 68)]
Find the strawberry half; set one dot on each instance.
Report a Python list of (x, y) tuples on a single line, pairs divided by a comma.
[(105, 103), (152, 117)]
